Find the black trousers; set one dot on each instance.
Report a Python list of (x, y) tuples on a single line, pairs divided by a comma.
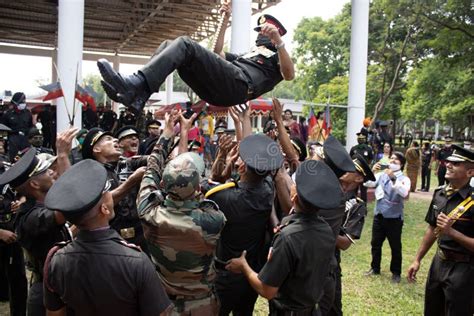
[(336, 309), (12, 265), (449, 288), (441, 175), (214, 79), (425, 177), (390, 228), (235, 294), (35, 300)]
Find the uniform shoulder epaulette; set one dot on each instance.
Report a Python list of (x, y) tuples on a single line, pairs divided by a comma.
[(220, 188), (57, 246), (130, 245), (208, 204), (440, 187)]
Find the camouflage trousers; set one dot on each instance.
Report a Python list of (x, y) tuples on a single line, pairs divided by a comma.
[(189, 306)]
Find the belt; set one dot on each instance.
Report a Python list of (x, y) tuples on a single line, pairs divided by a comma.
[(301, 312), (454, 256)]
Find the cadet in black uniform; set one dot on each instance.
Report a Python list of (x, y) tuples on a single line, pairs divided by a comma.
[(352, 223), (19, 119), (450, 283), (35, 138), (298, 261), (222, 82), (363, 149), (12, 264), (153, 132), (108, 119), (98, 273), (441, 159), (247, 206), (125, 175), (37, 227)]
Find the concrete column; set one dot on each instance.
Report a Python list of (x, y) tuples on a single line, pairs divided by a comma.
[(70, 44), (241, 27), (259, 123), (436, 135), (169, 89), (54, 61), (357, 70)]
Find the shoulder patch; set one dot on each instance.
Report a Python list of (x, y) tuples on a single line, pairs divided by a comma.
[(130, 245), (208, 204), (220, 188)]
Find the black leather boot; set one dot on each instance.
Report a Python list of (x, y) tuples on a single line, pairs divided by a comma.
[(131, 91)]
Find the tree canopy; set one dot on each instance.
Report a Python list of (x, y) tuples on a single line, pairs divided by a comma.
[(420, 61)]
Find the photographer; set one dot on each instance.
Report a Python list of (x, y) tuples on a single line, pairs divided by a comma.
[(392, 187)]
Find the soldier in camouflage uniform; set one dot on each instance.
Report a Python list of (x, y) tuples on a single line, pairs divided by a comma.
[(181, 230)]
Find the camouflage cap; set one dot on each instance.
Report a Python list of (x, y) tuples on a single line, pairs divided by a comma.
[(181, 178)]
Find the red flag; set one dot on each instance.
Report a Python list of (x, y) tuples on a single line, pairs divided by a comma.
[(84, 97), (312, 119), (327, 121), (54, 91)]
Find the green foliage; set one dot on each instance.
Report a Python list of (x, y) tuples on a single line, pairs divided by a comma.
[(420, 59), (93, 81)]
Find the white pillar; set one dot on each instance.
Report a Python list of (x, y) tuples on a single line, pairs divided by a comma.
[(240, 39), (436, 135), (357, 70), (54, 61), (70, 43), (259, 123), (169, 89)]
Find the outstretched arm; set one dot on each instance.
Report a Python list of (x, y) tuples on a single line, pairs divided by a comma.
[(287, 68), (219, 44)]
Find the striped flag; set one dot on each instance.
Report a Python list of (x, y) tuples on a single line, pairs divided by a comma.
[(313, 121), (54, 91), (327, 121)]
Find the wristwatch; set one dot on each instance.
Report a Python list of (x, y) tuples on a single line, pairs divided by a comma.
[(280, 45)]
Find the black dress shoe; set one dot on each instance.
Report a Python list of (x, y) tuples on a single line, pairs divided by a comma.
[(396, 278), (131, 91), (372, 272)]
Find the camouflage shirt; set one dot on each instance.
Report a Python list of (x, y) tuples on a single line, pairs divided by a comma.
[(181, 235)]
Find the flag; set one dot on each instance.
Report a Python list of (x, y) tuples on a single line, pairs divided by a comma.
[(85, 97), (327, 121), (313, 121), (54, 91)]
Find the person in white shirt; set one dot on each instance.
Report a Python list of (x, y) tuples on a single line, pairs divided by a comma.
[(392, 188)]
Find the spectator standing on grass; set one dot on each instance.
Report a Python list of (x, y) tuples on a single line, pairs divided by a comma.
[(392, 187), (426, 162)]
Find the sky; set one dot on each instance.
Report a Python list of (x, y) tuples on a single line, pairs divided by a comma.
[(22, 73)]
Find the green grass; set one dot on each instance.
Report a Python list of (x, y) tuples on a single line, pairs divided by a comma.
[(376, 295)]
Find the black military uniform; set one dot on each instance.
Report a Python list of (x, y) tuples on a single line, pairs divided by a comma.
[(352, 225), (35, 226), (363, 149), (426, 157), (126, 221), (234, 80), (146, 143), (247, 207), (107, 120), (442, 155), (46, 119), (35, 138), (12, 264), (20, 121), (98, 273), (450, 283), (298, 261), (336, 157)]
